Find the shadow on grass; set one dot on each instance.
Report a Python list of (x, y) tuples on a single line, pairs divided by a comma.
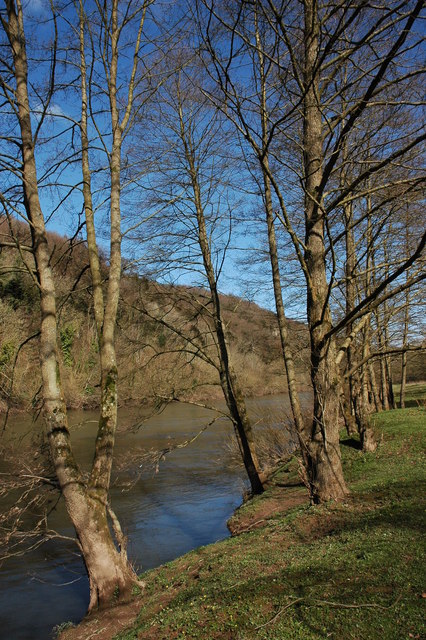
[(314, 588), (397, 507), (354, 575), (351, 442), (414, 403), (291, 484)]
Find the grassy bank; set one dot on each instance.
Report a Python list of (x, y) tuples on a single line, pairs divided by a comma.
[(343, 571), (415, 394)]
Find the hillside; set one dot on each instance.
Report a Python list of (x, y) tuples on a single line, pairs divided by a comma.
[(161, 331)]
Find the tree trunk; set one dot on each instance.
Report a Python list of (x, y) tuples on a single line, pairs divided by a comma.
[(282, 326), (369, 283), (406, 323), (273, 258), (324, 461), (362, 402), (324, 467), (232, 392), (384, 392), (230, 387), (403, 380), (368, 441), (346, 410), (373, 387), (353, 380), (111, 577), (95, 269), (391, 395), (244, 432), (109, 571)]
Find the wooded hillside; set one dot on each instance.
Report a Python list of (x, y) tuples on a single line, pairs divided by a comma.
[(151, 363)]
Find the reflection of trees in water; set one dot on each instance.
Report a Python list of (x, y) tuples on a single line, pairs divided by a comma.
[(184, 505)]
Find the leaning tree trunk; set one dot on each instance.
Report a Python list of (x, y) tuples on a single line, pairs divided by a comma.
[(282, 327), (233, 395), (109, 572), (324, 468), (237, 407), (113, 578), (231, 390)]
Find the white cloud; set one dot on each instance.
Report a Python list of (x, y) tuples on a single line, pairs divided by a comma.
[(53, 111), (33, 7)]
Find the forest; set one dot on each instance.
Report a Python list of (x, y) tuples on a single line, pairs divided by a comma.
[(202, 202)]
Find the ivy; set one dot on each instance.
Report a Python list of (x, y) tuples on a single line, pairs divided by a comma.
[(6, 352), (67, 339)]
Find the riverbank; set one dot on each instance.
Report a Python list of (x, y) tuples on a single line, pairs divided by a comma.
[(343, 571)]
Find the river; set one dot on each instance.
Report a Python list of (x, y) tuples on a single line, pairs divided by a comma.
[(184, 505)]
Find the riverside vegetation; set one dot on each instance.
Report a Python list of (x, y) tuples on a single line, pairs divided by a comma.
[(346, 570)]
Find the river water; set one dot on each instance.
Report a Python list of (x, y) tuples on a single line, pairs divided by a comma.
[(184, 505)]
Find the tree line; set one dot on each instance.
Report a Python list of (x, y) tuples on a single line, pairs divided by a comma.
[(281, 138)]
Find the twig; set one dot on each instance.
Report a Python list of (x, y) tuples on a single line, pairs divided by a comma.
[(253, 524), (57, 584), (279, 612), (340, 605), (96, 633), (371, 605)]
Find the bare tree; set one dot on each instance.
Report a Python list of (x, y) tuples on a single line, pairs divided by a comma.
[(309, 138), (98, 531), (194, 229)]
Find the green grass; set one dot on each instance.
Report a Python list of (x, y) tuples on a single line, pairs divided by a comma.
[(343, 571), (415, 394)]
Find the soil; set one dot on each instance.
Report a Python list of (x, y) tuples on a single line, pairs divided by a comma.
[(104, 625)]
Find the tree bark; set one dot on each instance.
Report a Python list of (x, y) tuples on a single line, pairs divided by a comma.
[(404, 353), (351, 419), (324, 464), (103, 588), (232, 392), (406, 323), (358, 382), (373, 387)]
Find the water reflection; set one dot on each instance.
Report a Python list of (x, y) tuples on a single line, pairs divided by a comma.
[(165, 514)]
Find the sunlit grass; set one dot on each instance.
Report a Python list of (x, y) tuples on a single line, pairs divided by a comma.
[(343, 571), (415, 394)]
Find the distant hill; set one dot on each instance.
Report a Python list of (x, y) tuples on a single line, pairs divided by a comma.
[(161, 332)]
